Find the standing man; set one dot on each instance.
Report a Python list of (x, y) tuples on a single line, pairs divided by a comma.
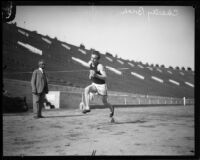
[(98, 77), (39, 89)]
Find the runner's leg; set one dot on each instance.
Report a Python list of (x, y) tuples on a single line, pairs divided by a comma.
[(105, 102), (88, 89)]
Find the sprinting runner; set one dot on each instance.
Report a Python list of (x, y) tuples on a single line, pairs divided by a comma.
[(98, 77)]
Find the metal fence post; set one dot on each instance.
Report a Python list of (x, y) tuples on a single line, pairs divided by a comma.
[(184, 101)]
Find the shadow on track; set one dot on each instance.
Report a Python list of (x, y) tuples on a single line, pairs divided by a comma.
[(129, 122), (66, 116)]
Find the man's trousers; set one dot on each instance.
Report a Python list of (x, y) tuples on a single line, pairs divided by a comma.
[(38, 104)]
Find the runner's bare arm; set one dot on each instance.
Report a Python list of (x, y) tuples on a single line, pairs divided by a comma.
[(101, 69)]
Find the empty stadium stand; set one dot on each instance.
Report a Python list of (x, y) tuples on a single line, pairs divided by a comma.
[(23, 48)]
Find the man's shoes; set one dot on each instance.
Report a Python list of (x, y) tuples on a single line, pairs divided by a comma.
[(85, 111), (36, 117), (111, 114)]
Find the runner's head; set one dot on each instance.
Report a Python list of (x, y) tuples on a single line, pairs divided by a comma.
[(95, 57)]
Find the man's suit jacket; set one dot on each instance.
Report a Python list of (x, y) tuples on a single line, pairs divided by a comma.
[(39, 82)]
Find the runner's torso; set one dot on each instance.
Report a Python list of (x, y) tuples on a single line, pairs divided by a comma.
[(95, 79)]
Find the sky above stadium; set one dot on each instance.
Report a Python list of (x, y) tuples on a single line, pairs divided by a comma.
[(161, 35)]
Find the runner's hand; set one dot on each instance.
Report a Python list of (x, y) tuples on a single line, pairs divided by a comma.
[(92, 74)]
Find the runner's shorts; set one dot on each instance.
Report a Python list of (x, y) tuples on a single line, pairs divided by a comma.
[(101, 88)]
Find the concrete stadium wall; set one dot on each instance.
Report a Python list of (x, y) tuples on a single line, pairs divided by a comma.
[(70, 97)]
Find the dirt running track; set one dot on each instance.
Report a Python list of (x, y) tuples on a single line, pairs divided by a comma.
[(136, 131)]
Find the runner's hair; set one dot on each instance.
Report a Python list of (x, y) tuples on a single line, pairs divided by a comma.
[(97, 53)]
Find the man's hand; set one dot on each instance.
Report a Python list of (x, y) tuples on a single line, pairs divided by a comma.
[(89, 63), (92, 74)]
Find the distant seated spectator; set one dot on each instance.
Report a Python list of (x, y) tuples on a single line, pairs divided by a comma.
[(14, 104)]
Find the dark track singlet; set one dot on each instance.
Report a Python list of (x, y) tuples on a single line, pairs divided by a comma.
[(95, 79)]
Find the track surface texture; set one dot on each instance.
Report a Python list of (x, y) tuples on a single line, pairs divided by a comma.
[(156, 131)]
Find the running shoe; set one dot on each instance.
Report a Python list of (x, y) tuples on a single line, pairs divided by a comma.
[(85, 111)]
